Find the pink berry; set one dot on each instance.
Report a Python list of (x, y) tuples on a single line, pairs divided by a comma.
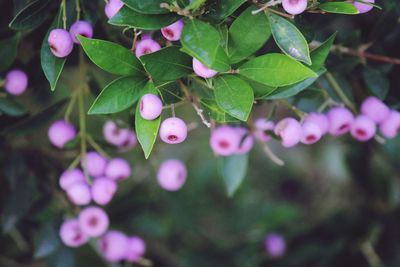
[(375, 109), (130, 142), (80, 27), (113, 246), (294, 7), (319, 119), (94, 163), (290, 131), (150, 106), (173, 32), (262, 126), (60, 133), (93, 221), (225, 141), (340, 120), (16, 82), (112, 7), (203, 71), (118, 169), (71, 234), (135, 249), (146, 46), (146, 37), (364, 8), (173, 130), (113, 134), (390, 127), (103, 190), (246, 141), (60, 43), (363, 128), (79, 193), (275, 245), (172, 175), (70, 177), (311, 133)]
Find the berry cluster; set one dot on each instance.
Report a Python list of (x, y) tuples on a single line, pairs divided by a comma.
[(123, 138), (295, 7), (16, 82)]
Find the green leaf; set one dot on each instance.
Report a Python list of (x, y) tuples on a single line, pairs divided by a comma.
[(260, 90), (111, 57), (289, 39), (8, 51), (46, 240), (244, 42), (376, 81), (169, 58), (119, 95), (131, 18), (147, 6), (275, 70), (234, 95), (10, 107), (170, 93), (147, 130), (215, 112), (224, 8), (195, 4), (31, 16), (339, 8), (233, 170), (320, 54)]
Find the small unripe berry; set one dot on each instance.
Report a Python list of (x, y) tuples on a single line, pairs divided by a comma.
[(70, 177), (103, 190), (172, 174), (113, 134), (135, 249), (118, 169), (202, 70), (246, 141), (71, 234), (275, 245), (150, 106), (80, 27), (173, 32), (16, 82), (60, 43), (113, 246), (262, 126), (173, 130), (375, 109), (390, 127), (294, 7), (364, 8), (311, 133), (363, 128), (340, 120), (224, 141), (290, 131), (146, 46), (94, 163), (60, 133), (319, 119), (79, 193), (112, 7), (93, 221)]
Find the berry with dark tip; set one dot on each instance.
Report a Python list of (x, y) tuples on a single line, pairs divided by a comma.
[(113, 246), (118, 169), (60, 43), (363, 128), (80, 27), (312, 133), (340, 120), (173, 32), (146, 46), (93, 221), (150, 107), (115, 135), (71, 234), (173, 130), (225, 141), (262, 126), (290, 132), (246, 141)]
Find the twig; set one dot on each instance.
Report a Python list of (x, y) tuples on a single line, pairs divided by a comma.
[(265, 6), (370, 254), (335, 85), (274, 158)]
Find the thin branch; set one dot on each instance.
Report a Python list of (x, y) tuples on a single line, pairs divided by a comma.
[(271, 155)]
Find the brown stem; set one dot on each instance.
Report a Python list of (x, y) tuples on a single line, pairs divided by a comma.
[(366, 55)]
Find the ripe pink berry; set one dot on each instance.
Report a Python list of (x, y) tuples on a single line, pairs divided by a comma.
[(364, 8), (113, 246), (319, 119), (80, 27), (93, 221), (112, 7), (225, 141), (173, 130), (172, 175), (340, 120), (103, 190), (173, 32), (390, 127), (79, 193), (94, 163), (150, 106), (118, 169), (375, 109), (275, 245), (71, 234), (294, 7), (203, 71), (262, 126), (16, 82), (246, 141), (130, 142), (146, 46), (60, 133), (290, 131), (113, 134), (311, 133), (70, 177), (363, 128), (60, 43), (135, 249)]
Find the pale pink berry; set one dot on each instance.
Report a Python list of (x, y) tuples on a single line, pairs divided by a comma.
[(390, 127), (16, 82), (71, 234), (94, 163), (146, 46), (294, 7), (118, 169), (79, 193), (112, 7), (70, 177), (60, 133), (113, 134), (340, 120), (135, 249), (275, 245), (319, 119), (364, 8), (262, 127), (60, 43), (146, 37), (93, 221), (225, 141), (150, 107), (173, 32), (172, 175), (290, 132), (246, 141), (363, 128), (80, 27), (113, 246), (375, 109), (311, 133), (103, 190), (173, 130), (202, 70), (130, 142)]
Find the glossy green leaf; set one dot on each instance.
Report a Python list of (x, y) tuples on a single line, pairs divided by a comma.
[(289, 39), (8, 51), (260, 90), (170, 93), (111, 57), (46, 240), (147, 6), (275, 70), (234, 95), (244, 42), (233, 170), (118, 95), (320, 54), (221, 9), (376, 81), (215, 112), (9, 107), (339, 8), (31, 16), (195, 4)]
